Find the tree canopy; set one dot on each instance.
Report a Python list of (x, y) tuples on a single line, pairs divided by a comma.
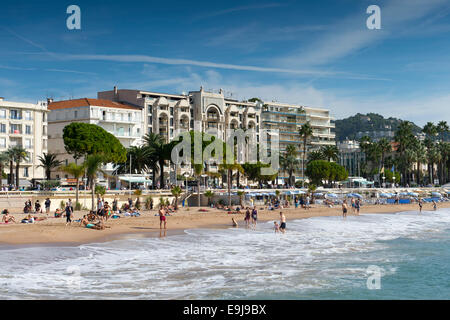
[(83, 139)]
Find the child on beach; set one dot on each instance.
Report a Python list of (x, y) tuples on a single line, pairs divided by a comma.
[(276, 227)]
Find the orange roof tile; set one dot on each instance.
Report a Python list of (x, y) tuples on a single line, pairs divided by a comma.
[(84, 102)]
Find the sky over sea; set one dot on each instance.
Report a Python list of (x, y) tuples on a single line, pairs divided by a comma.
[(313, 53)]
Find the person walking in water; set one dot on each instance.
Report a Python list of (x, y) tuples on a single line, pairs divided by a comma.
[(162, 218), (247, 217), (254, 216), (344, 209), (420, 205), (282, 222), (434, 205)]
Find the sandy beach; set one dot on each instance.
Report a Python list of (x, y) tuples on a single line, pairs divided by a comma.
[(54, 231)]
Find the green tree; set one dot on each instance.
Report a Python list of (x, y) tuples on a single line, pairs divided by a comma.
[(83, 139), (405, 138), (176, 192), (289, 162), (159, 151), (318, 171), (93, 164), (139, 157), (4, 159), (306, 133), (241, 195), (316, 155), (49, 162), (209, 194), (77, 171), (19, 154), (331, 153)]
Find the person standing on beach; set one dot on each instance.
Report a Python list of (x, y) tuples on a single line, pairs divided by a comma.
[(282, 222), (68, 214), (308, 201), (434, 205), (357, 206), (420, 205), (47, 204), (162, 218), (344, 209)]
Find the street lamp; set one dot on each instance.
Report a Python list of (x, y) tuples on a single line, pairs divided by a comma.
[(206, 182), (186, 175)]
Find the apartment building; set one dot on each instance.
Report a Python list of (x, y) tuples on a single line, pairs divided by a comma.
[(351, 157), (124, 121), (203, 110), (25, 124)]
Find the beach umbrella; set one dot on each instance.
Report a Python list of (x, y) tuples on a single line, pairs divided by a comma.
[(318, 194), (414, 194), (385, 195), (436, 194), (357, 195), (331, 195)]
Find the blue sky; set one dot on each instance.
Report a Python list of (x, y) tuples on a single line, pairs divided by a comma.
[(314, 53)]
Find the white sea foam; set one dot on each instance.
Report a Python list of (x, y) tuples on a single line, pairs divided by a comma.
[(232, 263)]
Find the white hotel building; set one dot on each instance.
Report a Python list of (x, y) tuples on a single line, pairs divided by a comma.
[(165, 113), (24, 124), (122, 120)]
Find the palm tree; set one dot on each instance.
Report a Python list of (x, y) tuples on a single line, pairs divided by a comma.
[(159, 151), (442, 128), (4, 159), (19, 154), (241, 195), (139, 161), (229, 168), (420, 158), (316, 155), (10, 154), (330, 152), (384, 147), (405, 138), (77, 171), (288, 164), (93, 164), (176, 192), (209, 194), (49, 162), (305, 132), (198, 169)]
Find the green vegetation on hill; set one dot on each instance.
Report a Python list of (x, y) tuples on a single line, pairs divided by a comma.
[(371, 122)]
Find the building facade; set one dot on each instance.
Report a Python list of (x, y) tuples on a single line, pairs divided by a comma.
[(202, 110), (25, 125), (351, 157), (124, 121)]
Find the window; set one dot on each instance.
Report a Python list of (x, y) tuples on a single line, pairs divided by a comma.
[(14, 114), (27, 129), (25, 172), (138, 131), (75, 114), (15, 128), (2, 143), (2, 128), (27, 143), (171, 111), (149, 130), (171, 121), (2, 114), (28, 115), (129, 116)]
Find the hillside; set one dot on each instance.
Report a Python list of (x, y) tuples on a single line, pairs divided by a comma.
[(371, 124)]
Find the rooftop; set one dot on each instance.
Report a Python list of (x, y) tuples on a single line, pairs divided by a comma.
[(87, 102)]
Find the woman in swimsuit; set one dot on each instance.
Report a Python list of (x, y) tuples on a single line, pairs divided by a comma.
[(162, 218), (7, 218), (247, 217)]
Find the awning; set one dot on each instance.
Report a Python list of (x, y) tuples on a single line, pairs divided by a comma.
[(135, 179)]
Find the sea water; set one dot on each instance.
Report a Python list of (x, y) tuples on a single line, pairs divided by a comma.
[(317, 258)]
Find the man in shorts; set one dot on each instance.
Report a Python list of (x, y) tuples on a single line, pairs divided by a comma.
[(282, 222)]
